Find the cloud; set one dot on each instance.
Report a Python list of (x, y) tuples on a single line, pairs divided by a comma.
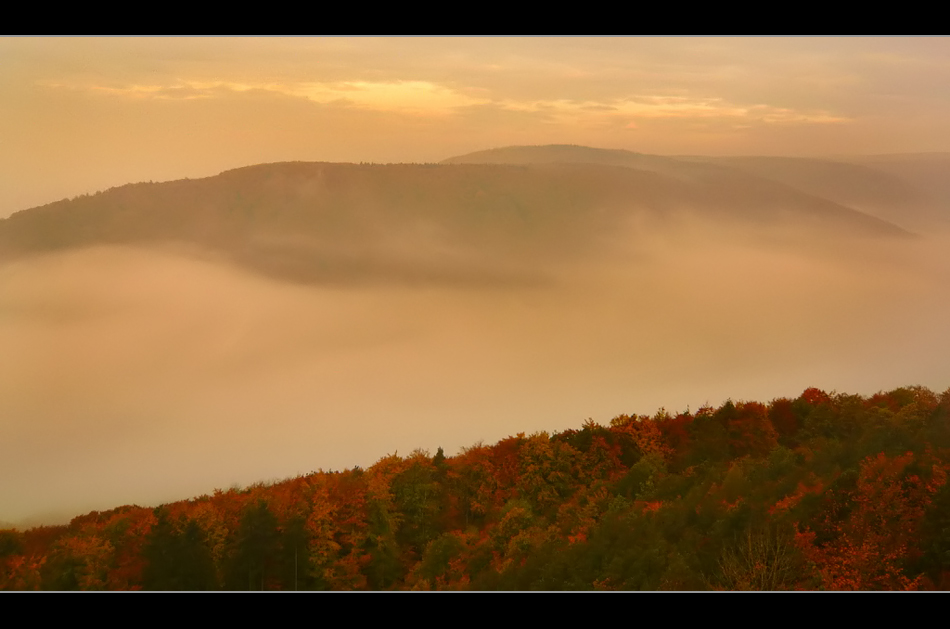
[(663, 106), (427, 97), (407, 96)]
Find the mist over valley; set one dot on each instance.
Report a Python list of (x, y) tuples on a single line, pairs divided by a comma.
[(164, 339)]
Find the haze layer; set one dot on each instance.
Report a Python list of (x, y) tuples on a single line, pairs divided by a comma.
[(161, 340)]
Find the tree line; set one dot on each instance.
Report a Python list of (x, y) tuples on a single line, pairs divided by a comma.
[(820, 492)]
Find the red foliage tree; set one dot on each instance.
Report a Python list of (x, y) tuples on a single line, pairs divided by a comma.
[(872, 543)]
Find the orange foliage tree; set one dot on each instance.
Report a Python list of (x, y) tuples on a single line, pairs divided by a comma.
[(871, 544)]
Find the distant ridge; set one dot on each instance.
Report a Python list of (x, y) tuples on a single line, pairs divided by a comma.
[(550, 153), (478, 216), (567, 154), (911, 190)]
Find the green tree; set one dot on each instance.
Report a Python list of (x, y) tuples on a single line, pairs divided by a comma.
[(295, 565), (418, 499), (178, 557), (253, 564)]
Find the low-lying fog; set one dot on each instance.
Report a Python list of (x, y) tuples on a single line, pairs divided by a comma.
[(144, 376)]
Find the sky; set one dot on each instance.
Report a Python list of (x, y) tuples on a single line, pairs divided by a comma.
[(141, 376), (78, 115)]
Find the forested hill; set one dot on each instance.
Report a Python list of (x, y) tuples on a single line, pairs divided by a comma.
[(823, 491), (321, 222)]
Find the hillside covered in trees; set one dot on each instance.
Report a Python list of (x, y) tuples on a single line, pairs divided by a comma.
[(322, 223), (820, 492)]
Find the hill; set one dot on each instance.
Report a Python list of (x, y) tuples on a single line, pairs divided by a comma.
[(455, 222), (908, 190)]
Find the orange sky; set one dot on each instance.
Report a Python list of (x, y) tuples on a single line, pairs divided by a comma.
[(82, 114)]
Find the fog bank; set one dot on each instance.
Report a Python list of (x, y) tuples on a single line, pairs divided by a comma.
[(142, 376)]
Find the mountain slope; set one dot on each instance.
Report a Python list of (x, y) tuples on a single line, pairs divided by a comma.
[(319, 222), (863, 186), (909, 190)]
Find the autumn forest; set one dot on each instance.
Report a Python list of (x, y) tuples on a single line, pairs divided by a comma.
[(827, 491), (272, 308)]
